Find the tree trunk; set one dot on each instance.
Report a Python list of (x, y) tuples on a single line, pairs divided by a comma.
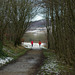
[(17, 42), (48, 38)]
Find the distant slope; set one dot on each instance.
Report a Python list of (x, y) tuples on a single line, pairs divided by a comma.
[(37, 24)]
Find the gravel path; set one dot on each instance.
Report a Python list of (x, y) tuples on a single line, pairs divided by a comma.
[(25, 65)]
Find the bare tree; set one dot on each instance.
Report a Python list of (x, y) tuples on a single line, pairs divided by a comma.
[(63, 27)]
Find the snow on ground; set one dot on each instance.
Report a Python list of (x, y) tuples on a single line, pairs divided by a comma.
[(5, 60), (35, 45), (50, 66), (38, 30)]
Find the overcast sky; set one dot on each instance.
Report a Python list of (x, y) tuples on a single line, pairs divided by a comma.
[(38, 17)]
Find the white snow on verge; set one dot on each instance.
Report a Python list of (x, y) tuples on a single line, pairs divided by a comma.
[(5, 60)]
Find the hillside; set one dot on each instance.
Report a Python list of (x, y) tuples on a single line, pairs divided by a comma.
[(37, 24)]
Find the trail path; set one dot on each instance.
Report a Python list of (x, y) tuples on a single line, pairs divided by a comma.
[(25, 65)]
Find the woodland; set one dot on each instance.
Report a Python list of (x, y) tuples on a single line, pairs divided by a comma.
[(16, 15)]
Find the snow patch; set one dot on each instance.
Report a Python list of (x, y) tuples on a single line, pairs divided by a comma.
[(35, 45), (5, 60)]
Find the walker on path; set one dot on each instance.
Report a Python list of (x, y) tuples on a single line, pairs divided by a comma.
[(39, 43), (32, 43)]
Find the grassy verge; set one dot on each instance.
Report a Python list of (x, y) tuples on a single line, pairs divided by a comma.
[(52, 66), (13, 52)]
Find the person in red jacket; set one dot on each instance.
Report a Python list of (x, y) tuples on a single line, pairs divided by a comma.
[(32, 43), (39, 43)]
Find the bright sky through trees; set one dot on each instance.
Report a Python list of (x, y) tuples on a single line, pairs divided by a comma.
[(37, 17)]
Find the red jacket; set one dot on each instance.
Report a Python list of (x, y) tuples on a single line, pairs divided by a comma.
[(31, 42), (39, 42)]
